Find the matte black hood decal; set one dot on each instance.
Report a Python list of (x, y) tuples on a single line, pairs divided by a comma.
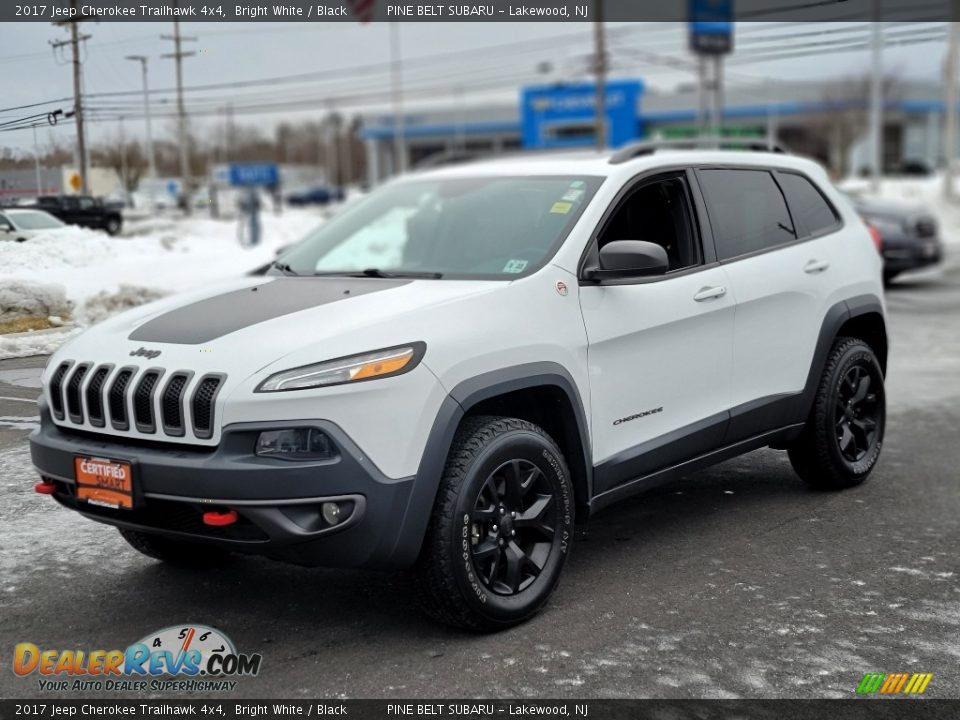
[(221, 315)]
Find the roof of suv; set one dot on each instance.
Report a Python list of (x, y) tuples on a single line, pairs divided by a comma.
[(606, 164)]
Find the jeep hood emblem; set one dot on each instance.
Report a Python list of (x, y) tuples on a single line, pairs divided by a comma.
[(143, 352)]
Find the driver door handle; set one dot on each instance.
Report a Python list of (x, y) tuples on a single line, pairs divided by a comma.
[(709, 293), (815, 266)]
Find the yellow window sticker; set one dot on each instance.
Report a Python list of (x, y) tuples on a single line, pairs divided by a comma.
[(561, 208)]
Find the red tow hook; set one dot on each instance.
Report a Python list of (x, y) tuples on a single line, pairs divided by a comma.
[(45, 488), (220, 519)]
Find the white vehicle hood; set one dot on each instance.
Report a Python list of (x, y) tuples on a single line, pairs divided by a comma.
[(244, 326)]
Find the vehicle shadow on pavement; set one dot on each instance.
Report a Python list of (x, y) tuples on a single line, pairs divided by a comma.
[(282, 599)]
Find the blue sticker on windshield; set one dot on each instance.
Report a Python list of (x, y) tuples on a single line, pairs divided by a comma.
[(515, 266)]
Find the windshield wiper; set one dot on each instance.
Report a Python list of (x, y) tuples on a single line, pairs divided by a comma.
[(284, 268), (378, 273)]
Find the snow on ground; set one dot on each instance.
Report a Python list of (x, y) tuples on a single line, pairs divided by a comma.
[(154, 257), (924, 192)]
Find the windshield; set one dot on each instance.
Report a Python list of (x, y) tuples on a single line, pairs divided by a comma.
[(486, 227), (35, 221)]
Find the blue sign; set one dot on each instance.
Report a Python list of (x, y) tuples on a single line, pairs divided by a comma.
[(711, 26), (252, 174), (554, 116), (173, 187)]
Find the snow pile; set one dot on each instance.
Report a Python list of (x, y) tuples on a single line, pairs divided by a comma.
[(25, 298), (101, 275), (923, 192), (105, 303)]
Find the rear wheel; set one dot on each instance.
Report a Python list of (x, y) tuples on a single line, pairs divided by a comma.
[(113, 226), (501, 527), (175, 552), (841, 443)]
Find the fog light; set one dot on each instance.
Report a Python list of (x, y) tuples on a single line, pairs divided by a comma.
[(295, 444), (331, 512)]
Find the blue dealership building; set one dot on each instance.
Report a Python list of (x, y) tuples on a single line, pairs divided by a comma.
[(827, 122)]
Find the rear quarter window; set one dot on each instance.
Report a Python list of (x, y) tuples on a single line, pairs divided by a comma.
[(747, 211), (810, 209)]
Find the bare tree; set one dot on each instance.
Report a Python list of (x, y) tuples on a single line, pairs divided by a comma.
[(847, 118)]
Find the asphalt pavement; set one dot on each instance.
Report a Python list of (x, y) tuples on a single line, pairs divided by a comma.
[(733, 582)]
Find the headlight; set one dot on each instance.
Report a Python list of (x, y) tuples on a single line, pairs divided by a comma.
[(355, 368)]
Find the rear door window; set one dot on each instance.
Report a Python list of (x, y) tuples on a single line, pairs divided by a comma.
[(747, 211), (814, 215)]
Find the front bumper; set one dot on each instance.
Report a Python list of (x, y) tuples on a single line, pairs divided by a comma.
[(278, 502)]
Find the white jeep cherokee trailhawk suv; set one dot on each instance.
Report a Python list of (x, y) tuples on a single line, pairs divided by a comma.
[(453, 372)]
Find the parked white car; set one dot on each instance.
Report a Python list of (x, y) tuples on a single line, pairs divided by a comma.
[(458, 369), (21, 225)]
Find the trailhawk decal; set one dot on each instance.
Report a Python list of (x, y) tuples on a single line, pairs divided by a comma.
[(221, 315)]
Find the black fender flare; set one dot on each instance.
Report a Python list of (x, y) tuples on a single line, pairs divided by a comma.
[(454, 407), (833, 320)]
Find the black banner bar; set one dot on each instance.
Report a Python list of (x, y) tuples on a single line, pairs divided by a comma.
[(483, 11), (213, 709)]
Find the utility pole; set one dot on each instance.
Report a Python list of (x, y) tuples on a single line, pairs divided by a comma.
[(876, 100), (151, 159), (600, 61), (36, 160), (178, 56), (348, 155), (123, 161), (333, 150), (396, 77), (74, 42), (950, 101)]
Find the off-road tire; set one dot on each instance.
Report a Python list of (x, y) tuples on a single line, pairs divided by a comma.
[(450, 587), (174, 552), (816, 455)]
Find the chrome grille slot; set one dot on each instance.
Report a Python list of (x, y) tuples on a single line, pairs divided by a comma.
[(56, 390), (94, 396), (171, 404), (202, 405), (118, 399), (143, 415), (74, 400)]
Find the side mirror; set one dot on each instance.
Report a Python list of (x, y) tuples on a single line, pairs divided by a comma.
[(630, 258)]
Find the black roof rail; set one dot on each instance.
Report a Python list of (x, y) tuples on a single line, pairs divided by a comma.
[(648, 147)]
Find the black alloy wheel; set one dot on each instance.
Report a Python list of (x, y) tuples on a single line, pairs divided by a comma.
[(513, 527), (857, 413)]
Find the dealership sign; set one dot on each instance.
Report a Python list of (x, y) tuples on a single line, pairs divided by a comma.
[(565, 115), (711, 26)]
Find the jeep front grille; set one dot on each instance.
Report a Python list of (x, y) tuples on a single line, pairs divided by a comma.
[(202, 405), (95, 396), (74, 406), (118, 400), (143, 401), (127, 399), (56, 390), (171, 404)]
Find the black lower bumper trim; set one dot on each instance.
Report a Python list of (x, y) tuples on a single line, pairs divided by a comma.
[(279, 504)]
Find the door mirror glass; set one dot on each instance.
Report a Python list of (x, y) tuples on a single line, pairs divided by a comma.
[(631, 258)]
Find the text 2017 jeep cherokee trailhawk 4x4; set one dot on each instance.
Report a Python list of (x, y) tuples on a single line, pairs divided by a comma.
[(452, 372)]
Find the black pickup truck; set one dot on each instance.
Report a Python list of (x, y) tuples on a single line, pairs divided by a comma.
[(81, 210)]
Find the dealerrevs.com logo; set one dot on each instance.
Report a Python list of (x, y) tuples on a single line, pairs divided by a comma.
[(178, 658)]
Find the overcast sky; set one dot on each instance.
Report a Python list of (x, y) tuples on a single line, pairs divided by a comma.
[(464, 73)]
